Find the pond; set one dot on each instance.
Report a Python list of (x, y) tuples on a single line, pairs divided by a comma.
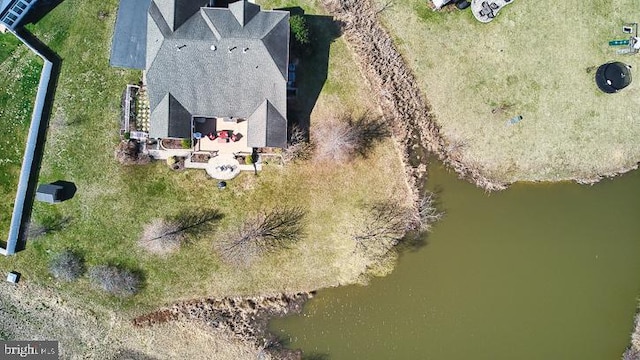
[(539, 271)]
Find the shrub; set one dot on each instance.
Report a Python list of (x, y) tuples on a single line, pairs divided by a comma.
[(128, 153), (299, 29), (299, 147), (248, 160), (115, 280), (66, 266), (338, 140), (185, 143)]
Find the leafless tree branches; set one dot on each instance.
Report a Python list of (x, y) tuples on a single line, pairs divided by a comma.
[(165, 236), (47, 226), (262, 234), (299, 147), (66, 266), (383, 225), (427, 213), (115, 280), (340, 139)]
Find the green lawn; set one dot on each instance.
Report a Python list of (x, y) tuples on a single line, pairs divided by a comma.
[(113, 203), (21, 72), (536, 59)]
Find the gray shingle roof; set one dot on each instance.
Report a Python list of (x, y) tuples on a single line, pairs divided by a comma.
[(170, 119), (214, 66), (266, 127), (244, 11)]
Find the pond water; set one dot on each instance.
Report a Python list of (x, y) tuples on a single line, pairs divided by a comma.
[(539, 271)]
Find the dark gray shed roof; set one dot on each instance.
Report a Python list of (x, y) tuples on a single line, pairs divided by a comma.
[(49, 193), (219, 63), (128, 48)]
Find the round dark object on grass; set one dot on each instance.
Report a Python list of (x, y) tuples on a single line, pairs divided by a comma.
[(462, 4), (222, 185), (613, 77)]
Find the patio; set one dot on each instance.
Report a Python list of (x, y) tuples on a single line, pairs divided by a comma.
[(218, 135), (485, 11)]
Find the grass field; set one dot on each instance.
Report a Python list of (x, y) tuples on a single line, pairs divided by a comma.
[(113, 203), (20, 70), (536, 59)]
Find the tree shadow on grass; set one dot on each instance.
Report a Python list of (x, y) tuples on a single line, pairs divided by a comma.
[(48, 225), (371, 130), (312, 67), (196, 222)]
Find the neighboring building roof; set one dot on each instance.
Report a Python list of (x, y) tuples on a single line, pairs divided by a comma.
[(217, 62), (129, 46), (12, 12), (4, 4)]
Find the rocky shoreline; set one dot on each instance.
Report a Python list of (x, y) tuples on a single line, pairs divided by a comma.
[(246, 317)]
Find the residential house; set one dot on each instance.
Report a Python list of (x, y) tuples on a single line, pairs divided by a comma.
[(211, 69)]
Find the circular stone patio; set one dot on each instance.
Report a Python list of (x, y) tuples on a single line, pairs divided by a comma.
[(223, 167), (487, 10)]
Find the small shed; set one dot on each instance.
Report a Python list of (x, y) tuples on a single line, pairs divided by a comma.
[(50, 193)]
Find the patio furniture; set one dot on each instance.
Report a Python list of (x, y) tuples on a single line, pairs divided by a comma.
[(486, 11), (223, 139)]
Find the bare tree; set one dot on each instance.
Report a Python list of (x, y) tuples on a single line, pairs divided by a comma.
[(66, 266), (263, 234), (427, 213), (115, 280), (46, 226), (383, 226), (165, 236), (299, 147), (338, 140)]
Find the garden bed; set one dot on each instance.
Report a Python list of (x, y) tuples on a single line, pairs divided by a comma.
[(175, 143), (200, 157)]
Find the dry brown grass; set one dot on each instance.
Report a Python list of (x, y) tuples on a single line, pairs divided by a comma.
[(536, 59), (96, 333)]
